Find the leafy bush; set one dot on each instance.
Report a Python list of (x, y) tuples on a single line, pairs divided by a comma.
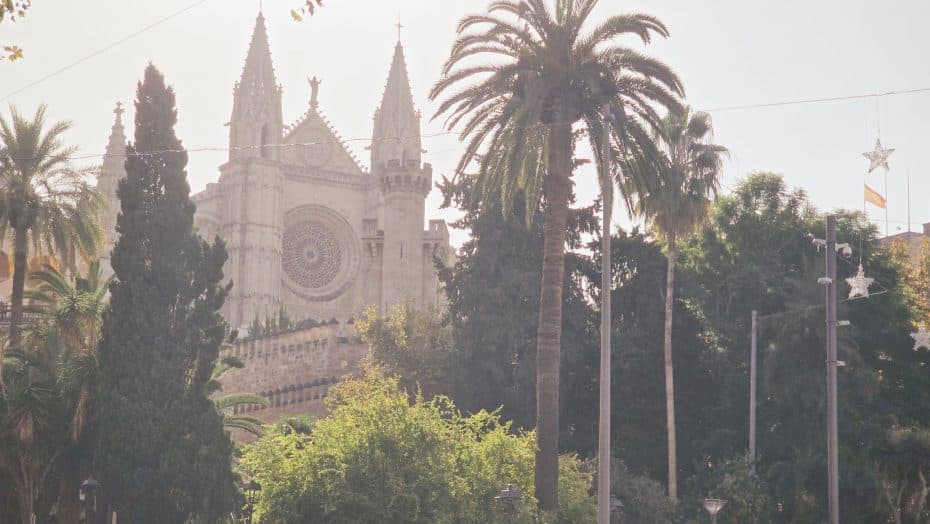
[(381, 456)]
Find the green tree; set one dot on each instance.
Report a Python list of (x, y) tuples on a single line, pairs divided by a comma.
[(227, 405), (46, 206), (675, 202), (493, 310), (412, 344), (34, 429), (382, 456), (73, 308), (163, 452), (517, 119)]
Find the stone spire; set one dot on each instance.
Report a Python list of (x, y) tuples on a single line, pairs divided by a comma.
[(111, 172), (256, 117), (396, 136)]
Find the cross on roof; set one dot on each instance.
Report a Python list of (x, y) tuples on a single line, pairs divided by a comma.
[(399, 27), (119, 109)]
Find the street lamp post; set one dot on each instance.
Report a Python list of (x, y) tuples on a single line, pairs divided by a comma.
[(88, 494), (252, 487), (510, 496), (713, 506), (616, 509)]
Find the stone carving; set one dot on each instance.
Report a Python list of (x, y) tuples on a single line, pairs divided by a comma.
[(311, 256)]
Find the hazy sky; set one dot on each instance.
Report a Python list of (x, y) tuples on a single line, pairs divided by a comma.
[(728, 52)]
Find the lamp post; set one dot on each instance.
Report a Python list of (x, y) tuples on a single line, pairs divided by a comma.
[(252, 487), (713, 506), (510, 496), (616, 510), (88, 495)]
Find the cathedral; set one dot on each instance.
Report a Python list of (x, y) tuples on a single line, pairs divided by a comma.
[(306, 226)]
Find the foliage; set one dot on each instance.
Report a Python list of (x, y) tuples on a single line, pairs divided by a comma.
[(412, 344), (493, 310), (675, 201), (163, 452), (643, 498), (546, 71), (49, 410), (381, 457), (748, 496), (273, 324), (13, 9), (226, 404), (904, 460), (308, 7), (46, 205)]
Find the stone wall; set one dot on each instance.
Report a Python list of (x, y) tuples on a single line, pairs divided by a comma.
[(294, 370)]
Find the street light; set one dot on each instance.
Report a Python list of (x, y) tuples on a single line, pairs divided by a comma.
[(616, 509), (252, 487), (713, 506), (87, 494), (510, 496)]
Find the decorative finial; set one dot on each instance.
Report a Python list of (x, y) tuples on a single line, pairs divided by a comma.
[(314, 91), (119, 109), (399, 27)]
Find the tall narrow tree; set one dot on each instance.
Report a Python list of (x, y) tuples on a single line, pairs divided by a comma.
[(675, 202), (549, 71), (46, 205), (163, 451)]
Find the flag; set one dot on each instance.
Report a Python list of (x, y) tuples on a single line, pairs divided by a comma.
[(873, 197)]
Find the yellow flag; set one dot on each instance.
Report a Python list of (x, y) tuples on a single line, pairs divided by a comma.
[(873, 197)]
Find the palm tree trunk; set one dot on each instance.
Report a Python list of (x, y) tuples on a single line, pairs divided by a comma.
[(669, 372), (19, 283), (549, 332), (69, 505)]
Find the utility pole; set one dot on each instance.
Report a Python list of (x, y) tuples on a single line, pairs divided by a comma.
[(603, 436), (833, 469), (752, 391)]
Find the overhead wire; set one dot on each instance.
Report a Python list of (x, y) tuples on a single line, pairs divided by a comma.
[(103, 49)]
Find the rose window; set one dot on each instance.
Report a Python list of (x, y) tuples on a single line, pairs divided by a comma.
[(312, 255)]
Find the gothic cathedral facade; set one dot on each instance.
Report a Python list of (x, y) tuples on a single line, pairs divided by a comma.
[(305, 225)]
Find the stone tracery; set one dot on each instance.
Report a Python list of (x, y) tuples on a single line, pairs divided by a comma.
[(312, 255)]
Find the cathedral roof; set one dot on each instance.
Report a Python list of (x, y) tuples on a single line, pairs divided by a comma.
[(314, 132)]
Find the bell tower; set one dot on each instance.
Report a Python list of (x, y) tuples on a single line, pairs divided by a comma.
[(404, 182), (252, 184)]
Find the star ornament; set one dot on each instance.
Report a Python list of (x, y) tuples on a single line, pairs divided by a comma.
[(859, 284), (921, 338), (879, 156)]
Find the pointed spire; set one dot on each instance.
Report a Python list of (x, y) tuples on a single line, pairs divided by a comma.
[(396, 134), (111, 172), (256, 119), (258, 73)]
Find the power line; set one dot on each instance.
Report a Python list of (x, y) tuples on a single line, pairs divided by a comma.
[(103, 49), (819, 100)]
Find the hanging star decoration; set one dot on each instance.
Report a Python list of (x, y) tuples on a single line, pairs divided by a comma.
[(921, 338), (859, 284), (879, 156)]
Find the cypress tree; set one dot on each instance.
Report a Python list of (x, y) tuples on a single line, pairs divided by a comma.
[(163, 453)]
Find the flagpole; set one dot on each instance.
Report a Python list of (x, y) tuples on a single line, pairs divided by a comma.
[(886, 202)]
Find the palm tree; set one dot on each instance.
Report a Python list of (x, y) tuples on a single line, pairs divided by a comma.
[(546, 71), (675, 203), (73, 315), (226, 404), (32, 430), (73, 309), (45, 204)]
